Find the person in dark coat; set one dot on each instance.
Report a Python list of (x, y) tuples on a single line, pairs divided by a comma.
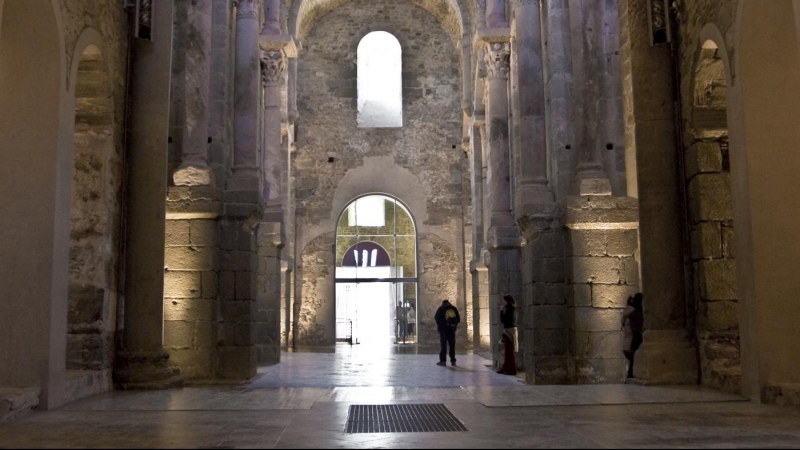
[(447, 320), (509, 341), (633, 326)]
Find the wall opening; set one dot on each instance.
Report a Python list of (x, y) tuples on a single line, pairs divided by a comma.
[(376, 273), (708, 174), (380, 81), (92, 213)]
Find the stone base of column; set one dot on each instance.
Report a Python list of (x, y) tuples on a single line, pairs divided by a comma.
[(237, 363), (666, 357), (505, 278), (268, 317), (145, 371), (480, 305), (594, 186), (549, 370)]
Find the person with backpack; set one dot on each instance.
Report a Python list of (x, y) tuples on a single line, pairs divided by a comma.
[(447, 320)]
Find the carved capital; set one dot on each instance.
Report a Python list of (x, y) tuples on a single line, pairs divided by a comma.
[(497, 59), (246, 9), (273, 64)]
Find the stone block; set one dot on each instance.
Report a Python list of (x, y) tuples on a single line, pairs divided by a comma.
[(710, 197), (556, 293), (703, 157), (241, 334), (593, 319), (622, 242), (581, 295), (238, 311), (178, 284), (549, 317), (237, 363), (193, 363), (717, 279), (728, 243), (579, 344), (86, 304), (177, 233), (718, 316), (629, 271), (227, 285), (707, 241), (549, 370), (246, 285), (666, 357), (240, 261), (206, 334), (605, 345), (596, 270), (190, 258), (611, 295), (190, 309), (587, 243), (600, 371), (210, 284), (548, 342), (89, 351), (204, 233), (178, 334)]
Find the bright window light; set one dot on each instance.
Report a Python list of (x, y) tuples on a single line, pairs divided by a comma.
[(367, 212), (380, 81)]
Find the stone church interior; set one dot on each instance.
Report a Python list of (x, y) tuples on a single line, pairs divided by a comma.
[(231, 223)]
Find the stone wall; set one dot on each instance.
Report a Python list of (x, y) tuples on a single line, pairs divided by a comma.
[(329, 146)]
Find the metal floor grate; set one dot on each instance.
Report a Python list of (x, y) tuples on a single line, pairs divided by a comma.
[(426, 418)]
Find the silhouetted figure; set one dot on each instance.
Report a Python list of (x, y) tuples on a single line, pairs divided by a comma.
[(633, 325), (447, 320), (510, 341)]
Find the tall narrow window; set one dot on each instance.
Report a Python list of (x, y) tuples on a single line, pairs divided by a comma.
[(380, 81)]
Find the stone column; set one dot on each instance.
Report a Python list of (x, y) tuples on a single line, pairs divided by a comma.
[(587, 23), (496, 14), (505, 275), (667, 355), (497, 65), (292, 94), (479, 271), (466, 76), (142, 363), (272, 16), (529, 121), (247, 88), (558, 88), (194, 170), (273, 66)]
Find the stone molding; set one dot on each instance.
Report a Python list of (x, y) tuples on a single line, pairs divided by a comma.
[(273, 66), (246, 9), (498, 55), (602, 212), (195, 202), (502, 238)]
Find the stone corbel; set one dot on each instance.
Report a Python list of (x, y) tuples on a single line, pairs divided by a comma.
[(534, 219)]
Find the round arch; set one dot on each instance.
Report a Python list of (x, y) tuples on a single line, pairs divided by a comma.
[(376, 271)]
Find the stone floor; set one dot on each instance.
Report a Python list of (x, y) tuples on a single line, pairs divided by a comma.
[(303, 403)]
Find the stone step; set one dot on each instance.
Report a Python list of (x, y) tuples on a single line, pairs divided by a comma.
[(16, 402)]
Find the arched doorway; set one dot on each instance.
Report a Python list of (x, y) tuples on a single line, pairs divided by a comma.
[(708, 178), (376, 272)]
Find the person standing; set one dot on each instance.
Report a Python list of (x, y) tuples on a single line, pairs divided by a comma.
[(509, 340), (412, 320), (447, 320), (633, 326)]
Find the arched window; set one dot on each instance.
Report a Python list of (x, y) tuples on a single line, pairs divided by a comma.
[(380, 81)]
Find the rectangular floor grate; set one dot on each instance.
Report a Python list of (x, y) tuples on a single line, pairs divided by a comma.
[(425, 418)]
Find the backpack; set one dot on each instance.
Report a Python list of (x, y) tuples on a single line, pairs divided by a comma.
[(450, 317)]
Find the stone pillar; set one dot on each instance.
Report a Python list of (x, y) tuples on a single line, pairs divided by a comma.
[(272, 16), (292, 94), (273, 66), (602, 249), (142, 363), (558, 91), (480, 275), (191, 279), (221, 97), (587, 66), (466, 76), (497, 64), (667, 355), (194, 170), (268, 322), (529, 119), (503, 240), (496, 14), (247, 88)]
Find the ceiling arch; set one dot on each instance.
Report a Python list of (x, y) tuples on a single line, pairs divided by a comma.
[(452, 14)]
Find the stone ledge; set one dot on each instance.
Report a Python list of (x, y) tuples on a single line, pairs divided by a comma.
[(17, 402), (602, 213), (194, 202), (782, 394)]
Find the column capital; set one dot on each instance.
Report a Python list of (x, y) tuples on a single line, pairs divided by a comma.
[(273, 66), (246, 9), (497, 59)]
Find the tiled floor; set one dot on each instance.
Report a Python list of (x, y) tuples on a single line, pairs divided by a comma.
[(303, 403)]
